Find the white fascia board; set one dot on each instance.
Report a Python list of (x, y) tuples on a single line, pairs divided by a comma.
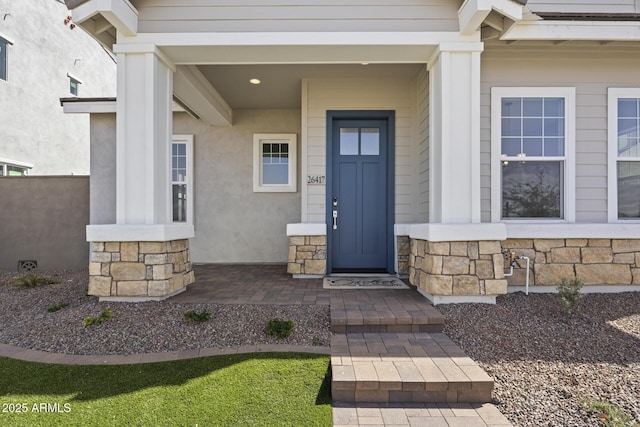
[(195, 91), (6, 39), (139, 233), (89, 107), (306, 229), (573, 231), (573, 30), (408, 38), (473, 12), (99, 107), (457, 232), (120, 13)]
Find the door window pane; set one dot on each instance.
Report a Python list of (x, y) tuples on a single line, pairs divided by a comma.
[(370, 141), (532, 189), (349, 141), (511, 107)]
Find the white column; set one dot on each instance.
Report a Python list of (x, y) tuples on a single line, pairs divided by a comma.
[(454, 96), (143, 149), (143, 138)]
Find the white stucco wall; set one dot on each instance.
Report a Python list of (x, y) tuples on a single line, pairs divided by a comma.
[(33, 127), (232, 223)]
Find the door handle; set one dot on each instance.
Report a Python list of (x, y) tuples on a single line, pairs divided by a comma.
[(335, 219)]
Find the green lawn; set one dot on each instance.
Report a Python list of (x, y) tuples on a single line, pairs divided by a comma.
[(264, 389)]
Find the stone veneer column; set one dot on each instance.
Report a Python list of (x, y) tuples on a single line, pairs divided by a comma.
[(139, 270), (444, 269), (307, 255), (404, 251)]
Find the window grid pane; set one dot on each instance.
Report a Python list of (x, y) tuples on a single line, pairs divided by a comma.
[(532, 127), (275, 163), (628, 127)]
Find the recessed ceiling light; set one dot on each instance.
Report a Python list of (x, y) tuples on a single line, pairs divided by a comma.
[(254, 81), (364, 63)]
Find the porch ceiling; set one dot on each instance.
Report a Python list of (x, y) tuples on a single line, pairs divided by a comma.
[(280, 85)]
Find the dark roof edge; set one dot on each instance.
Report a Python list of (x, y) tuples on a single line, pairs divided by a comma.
[(589, 16), (80, 100), (522, 2)]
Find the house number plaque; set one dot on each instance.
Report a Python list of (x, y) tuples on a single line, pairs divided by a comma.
[(316, 179)]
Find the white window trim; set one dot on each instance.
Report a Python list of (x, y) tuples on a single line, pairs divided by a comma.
[(569, 94), (612, 158), (289, 138), (15, 163), (188, 141)]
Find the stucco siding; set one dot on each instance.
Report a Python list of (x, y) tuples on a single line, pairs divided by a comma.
[(591, 69), (584, 6), (397, 94), (232, 223), (296, 15), (44, 51), (422, 146), (103, 169)]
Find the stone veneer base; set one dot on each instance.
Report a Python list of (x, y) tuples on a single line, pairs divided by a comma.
[(139, 271), (307, 256)]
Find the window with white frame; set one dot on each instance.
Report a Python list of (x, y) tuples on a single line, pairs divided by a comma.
[(274, 163), (624, 154), (3, 59), (532, 144), (182, 178)]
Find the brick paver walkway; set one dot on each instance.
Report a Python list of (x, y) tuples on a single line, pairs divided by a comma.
[(270, 284)]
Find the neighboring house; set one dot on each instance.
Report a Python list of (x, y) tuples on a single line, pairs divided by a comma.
[(41, 60), (424, 138)]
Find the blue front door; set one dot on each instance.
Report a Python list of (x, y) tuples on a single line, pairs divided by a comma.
[(359, 209)]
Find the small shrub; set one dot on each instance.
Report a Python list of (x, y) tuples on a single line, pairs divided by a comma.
[(104, 316), (57, 307), (610, 415), (31, 280), (195, 316), (279, 328), (570, 294), (316, 341)]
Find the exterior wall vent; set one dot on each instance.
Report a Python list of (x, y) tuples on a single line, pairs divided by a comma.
[(28, 265)]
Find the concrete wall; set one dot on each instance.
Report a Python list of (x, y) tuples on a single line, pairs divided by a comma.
[(44, 219), (589, 67), (232, 223), (33, 128)]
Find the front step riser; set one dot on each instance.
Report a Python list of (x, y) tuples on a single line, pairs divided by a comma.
[(363, 329), (399, 396)]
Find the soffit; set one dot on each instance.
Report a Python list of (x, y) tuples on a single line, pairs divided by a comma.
[(280, 85)]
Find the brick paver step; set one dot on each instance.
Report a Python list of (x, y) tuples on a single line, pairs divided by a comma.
[(404, 367), (383, 310)]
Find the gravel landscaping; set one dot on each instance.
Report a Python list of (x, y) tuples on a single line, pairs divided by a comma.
[(135, 328), (544, 361)]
